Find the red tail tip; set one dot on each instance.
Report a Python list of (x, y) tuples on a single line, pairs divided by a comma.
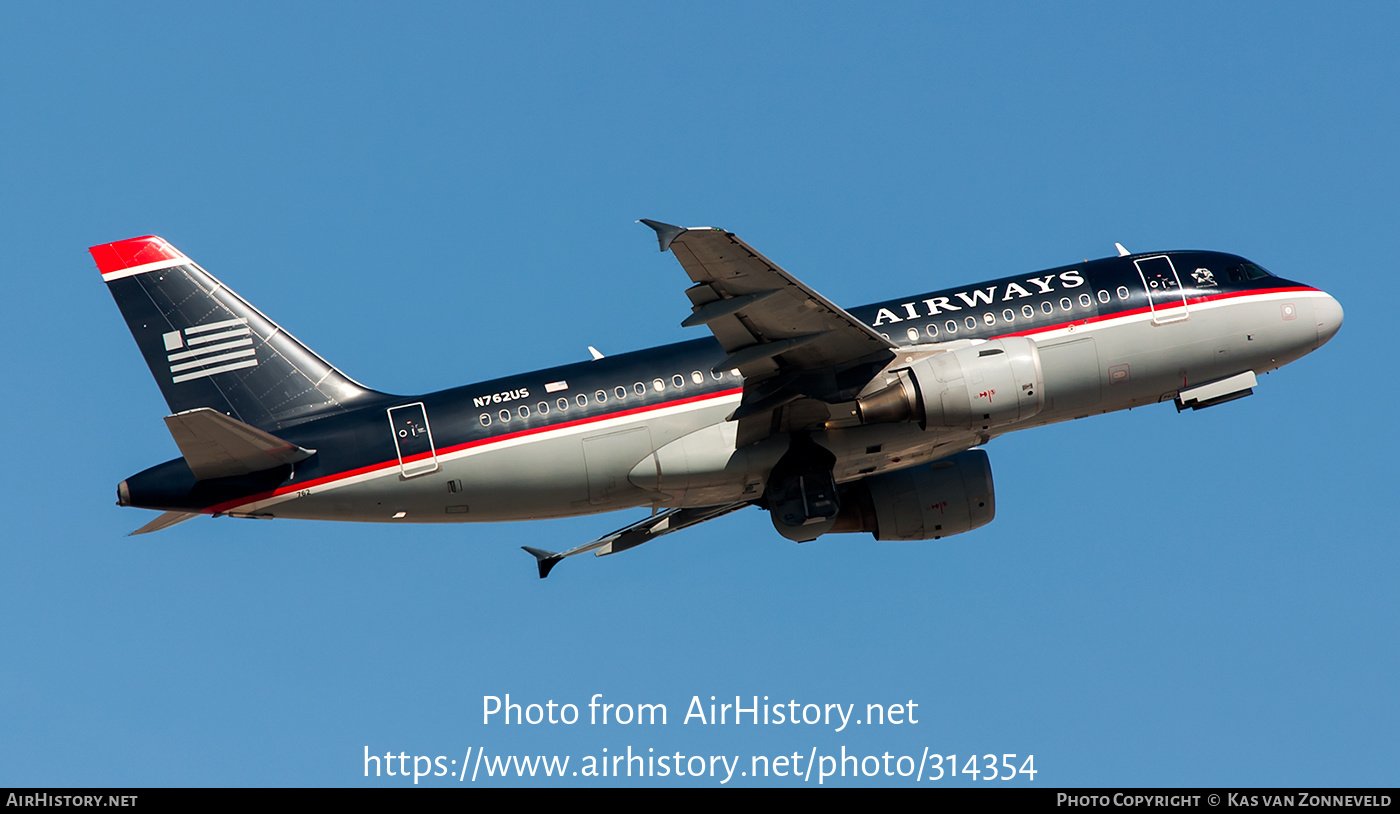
[(137, 251)]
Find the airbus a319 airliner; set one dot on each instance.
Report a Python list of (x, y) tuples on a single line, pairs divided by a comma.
[(833, 420)]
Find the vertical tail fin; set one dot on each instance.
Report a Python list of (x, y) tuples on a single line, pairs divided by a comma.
[(207, 347)]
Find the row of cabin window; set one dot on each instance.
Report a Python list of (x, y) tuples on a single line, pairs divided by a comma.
[(601, 396), (1009, 315)]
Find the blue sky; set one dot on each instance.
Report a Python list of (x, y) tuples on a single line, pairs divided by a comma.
[(447, 193)]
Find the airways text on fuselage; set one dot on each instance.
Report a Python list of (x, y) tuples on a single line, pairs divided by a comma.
[(972, 298)]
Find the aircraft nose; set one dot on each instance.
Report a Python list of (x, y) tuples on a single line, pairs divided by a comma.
[(1329, 319)]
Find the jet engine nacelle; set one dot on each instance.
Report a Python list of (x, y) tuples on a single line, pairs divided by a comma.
[(921, 503), (990, 384)]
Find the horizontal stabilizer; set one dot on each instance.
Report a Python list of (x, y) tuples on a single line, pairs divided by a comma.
[(216, 446), (165, 521)]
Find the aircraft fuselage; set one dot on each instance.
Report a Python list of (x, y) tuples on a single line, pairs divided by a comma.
[(650, 428)]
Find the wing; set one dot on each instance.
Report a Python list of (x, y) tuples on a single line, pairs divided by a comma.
[(643, 531), (790, 342)]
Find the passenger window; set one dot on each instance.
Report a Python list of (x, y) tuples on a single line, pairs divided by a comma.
[(1047, 307), (485, 420), (542, 408), (1084, 300), (931, 329), (913, 334), (658, 385), (639, 388), (1008, 315), (1122, 292), (582, 400), (505, 415), (620, 392), (563, 404), (1103, 297), (989, 319), (524, 411), (600, 397), (1027, 311), (697, 377), (951, 326), (716, 375), (1064, 303), (970, 322), (677, 381)]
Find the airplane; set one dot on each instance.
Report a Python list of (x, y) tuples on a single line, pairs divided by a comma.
[(863, 420)]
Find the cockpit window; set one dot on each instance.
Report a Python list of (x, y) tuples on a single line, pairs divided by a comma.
[(1246, 271)]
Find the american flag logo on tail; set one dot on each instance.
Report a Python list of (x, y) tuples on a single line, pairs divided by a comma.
[(203, 350)]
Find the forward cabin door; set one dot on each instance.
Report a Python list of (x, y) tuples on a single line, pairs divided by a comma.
[(1165, 295), (413, 439)]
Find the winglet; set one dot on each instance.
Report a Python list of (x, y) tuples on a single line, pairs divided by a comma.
[(1122, 252), (665, 232), (546, 560)]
